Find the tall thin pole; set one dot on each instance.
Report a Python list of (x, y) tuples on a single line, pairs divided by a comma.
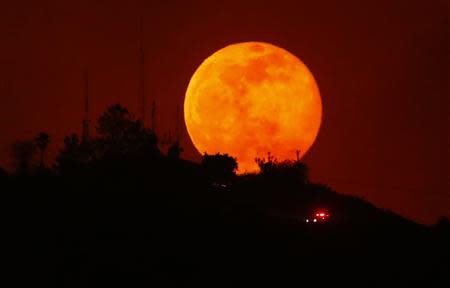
[(153, 124), (142, 91), (177, 127), (85, 132)]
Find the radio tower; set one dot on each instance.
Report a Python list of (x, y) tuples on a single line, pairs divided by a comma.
[(85, 131), (142, 97)]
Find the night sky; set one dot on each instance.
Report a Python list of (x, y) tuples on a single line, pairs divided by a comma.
[(381, 66)]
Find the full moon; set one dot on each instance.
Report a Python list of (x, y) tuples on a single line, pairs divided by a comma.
[(250, 99)]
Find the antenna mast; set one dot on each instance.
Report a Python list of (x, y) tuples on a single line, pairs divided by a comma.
[(85, 132), (142, 71), (177, 127), (153, 124)]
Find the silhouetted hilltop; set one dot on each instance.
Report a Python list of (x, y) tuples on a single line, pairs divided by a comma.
[(115, 211)]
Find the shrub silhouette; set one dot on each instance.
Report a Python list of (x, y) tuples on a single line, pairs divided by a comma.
[(289, 170), (219, 167)]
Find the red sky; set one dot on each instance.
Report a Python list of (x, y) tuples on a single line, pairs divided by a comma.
[(382, 68)]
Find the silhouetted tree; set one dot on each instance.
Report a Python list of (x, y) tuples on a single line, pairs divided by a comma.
[(41, 141), (120, 134), (22, 154), (174, 151), (443, 225), (219, 167), (442, 233), (72, 155), (3, 173)]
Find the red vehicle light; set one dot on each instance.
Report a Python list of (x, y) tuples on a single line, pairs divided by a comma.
[(318, 216)]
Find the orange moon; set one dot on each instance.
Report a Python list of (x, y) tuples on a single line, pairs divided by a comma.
[(251, 98)]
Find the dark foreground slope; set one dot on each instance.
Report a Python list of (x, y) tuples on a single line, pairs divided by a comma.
[(131, 224)]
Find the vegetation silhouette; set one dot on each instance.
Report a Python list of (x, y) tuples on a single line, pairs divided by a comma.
[(114, 211), (120, 134), (3, 173), (175, 150), (289, 170), (42, 140), (219, 167), (22, 153)]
